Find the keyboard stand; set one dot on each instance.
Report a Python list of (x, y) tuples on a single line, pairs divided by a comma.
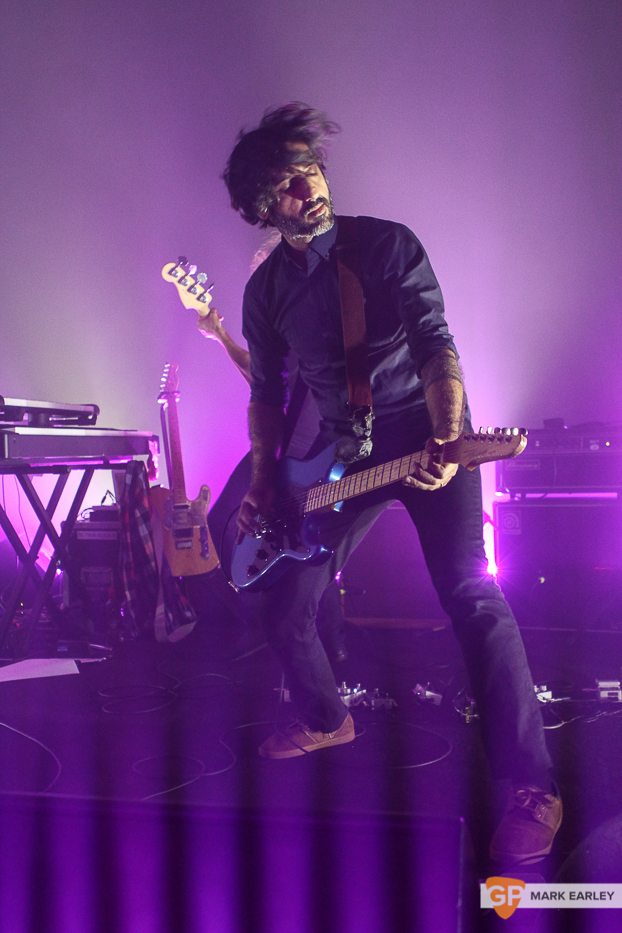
[(29, 571)]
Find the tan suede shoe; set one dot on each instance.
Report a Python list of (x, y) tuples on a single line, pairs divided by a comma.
[(528, 826), (298, 739)]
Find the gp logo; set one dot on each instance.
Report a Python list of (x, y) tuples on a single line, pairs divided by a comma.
[(505, 894)]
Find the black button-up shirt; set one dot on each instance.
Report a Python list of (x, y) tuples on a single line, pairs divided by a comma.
[(292, 302)]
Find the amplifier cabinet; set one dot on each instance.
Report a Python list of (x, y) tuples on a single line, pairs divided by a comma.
[(92, 582), (564, 461), (559, 560)]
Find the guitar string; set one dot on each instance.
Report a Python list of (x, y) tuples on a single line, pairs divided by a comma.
[(298, 500)]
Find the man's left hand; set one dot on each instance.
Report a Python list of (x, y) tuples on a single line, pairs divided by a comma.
[(432, 473), (210, 324)]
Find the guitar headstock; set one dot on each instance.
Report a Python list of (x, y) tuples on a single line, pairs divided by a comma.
[(488, 444), (192, 288), (169, 384)]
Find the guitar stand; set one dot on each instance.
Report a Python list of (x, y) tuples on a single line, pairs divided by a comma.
[(29, 571)]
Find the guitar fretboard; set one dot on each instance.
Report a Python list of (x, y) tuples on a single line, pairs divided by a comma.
[(326, 495), (172, 436)]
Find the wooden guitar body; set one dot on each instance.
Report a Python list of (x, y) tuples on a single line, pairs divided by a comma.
[(186, 540)]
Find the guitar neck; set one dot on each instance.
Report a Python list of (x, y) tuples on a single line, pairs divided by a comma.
[(170, 423), (326, 495), (469, 450)]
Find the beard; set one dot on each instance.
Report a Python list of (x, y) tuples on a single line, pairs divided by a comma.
[(305, 226)]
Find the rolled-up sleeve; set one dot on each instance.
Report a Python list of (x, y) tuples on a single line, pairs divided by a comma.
[(268, 351), (417, 296)]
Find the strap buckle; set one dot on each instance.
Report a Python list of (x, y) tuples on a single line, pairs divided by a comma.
[(361, 418)]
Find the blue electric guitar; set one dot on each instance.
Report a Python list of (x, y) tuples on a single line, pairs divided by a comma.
[(319, 485)]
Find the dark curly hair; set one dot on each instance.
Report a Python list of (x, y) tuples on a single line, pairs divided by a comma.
[(259, 154)]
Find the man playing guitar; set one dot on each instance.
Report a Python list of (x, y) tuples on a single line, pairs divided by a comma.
[(276, 178)]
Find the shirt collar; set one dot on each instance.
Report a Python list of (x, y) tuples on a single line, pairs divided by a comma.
[(321, 245)]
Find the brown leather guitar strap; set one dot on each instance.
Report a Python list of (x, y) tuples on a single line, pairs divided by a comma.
[(354, 333)]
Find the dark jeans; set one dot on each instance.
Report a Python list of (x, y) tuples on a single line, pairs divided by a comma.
[(449, 523)]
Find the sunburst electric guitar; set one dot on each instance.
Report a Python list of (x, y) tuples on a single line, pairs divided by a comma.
[(187, 543), (320, 485)]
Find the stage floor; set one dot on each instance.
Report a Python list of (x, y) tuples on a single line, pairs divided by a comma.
[(173, 730)]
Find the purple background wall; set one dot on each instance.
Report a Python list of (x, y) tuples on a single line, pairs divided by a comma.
[(492, 129)]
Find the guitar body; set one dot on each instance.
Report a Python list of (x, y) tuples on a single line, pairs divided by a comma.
[(186, 540), (258, 561)]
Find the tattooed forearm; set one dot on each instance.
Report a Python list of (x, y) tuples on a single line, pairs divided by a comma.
[(444, 394), (442, 365)]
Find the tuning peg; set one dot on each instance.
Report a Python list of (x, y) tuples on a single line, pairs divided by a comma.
[(192, 270), (177, 269), (202, 279)]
